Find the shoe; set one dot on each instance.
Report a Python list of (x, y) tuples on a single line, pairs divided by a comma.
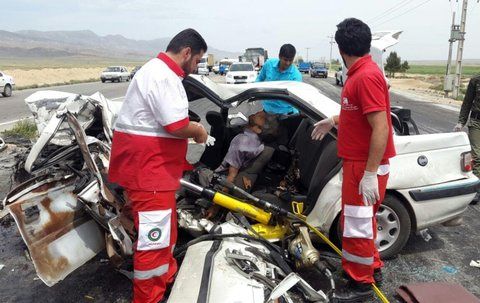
[(377, 276), (354, 292)]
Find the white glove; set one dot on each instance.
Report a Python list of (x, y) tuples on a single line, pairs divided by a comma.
[(322, 128), (368, 188), (210, 141), (458, 127)]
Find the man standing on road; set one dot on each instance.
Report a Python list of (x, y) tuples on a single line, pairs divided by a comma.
[(281, 69), (148, 158), (365, 143), (471, 107)]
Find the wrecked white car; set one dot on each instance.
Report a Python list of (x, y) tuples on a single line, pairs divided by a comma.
[(68, 212)]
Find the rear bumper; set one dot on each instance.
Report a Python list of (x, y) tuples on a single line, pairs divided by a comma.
[(439, 203)]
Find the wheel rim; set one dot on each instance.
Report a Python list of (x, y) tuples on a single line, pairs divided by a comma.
[(388, 228), (8, 90)]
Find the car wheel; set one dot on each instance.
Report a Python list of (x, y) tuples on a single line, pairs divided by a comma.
[(103, 80), (128, 79), (393, 227), (7, 91)]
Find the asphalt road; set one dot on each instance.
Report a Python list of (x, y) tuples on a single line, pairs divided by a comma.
[(445, 257), (13, 108)]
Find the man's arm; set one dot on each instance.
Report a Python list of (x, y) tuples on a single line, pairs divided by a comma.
[(262, 75), (378, 141), (192, 130), (467, 104), (232, 173)]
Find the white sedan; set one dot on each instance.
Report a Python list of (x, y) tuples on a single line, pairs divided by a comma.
[(241, 72)]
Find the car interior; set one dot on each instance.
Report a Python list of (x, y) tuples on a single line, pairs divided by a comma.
[(297, 170)]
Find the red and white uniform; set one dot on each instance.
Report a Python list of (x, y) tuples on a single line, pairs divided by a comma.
[(365, 92), (148, 162)]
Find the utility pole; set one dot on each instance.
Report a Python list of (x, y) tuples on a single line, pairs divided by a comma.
[(332, 42), (307, 48), (455, 29), (458, 80)]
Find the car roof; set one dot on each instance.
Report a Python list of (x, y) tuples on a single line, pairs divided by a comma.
[(310, 96)]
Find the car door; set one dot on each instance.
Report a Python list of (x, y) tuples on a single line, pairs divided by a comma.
[(2, 81)]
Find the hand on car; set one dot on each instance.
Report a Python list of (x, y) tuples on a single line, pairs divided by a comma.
[(458, 127), (202, 135), (368, 188), (322, 128)]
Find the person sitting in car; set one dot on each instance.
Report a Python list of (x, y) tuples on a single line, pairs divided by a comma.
[(246, 155)]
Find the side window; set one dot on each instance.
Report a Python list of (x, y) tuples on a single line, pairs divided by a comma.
[(1, 75)]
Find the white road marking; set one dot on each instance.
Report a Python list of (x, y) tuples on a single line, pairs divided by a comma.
[(449, 107), (14, 121)]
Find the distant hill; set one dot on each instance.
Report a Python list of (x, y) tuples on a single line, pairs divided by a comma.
[(85, 43)]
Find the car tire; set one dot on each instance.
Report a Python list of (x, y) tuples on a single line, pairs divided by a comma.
[(103, 80), (392, 214), (7, 91), (128, 79)]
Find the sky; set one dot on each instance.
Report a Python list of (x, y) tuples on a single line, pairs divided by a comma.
[(235, 25)]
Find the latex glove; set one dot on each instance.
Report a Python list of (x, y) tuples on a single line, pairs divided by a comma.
[(458, 127), (210, 141), (202, 135), (368, 188), (322, 128)]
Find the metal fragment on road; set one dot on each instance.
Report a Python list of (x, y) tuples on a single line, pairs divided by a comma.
[(474, 263)]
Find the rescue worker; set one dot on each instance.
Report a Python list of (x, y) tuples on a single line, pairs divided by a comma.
[(365, 143), (471, 107), (148, 158)]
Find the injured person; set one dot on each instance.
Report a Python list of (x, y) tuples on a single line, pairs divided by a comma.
[(247, 155)]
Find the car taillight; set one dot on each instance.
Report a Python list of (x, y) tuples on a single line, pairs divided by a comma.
[(467, 161)]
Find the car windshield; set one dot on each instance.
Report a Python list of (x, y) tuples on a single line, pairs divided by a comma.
[(112, 69), (319, 65), (241, 68)]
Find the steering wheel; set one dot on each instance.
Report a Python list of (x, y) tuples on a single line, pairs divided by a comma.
[(193, 116)]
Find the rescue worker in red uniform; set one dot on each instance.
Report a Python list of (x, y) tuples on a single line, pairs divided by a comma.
[(365, 144), (148, 158)]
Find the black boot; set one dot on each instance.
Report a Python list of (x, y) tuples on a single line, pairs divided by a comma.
[(354, 292)]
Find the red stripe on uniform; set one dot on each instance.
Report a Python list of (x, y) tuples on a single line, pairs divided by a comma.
[(176, 125), (171, 64)]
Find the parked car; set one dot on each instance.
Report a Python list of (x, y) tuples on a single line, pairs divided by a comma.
[(319, 70), (115, 73), (304, 67), (216, 69), (202, 69), (339, 76), (7, 84), (134, 71), (241, 72)]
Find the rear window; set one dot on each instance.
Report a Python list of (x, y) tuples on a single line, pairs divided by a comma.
[(241, 68), (112, 69)]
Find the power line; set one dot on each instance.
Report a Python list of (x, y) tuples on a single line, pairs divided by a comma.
[(390, 10), (404, 13)]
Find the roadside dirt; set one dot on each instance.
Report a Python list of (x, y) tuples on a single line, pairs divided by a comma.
[(54, 75)]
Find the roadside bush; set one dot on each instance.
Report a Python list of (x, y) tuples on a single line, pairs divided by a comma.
[(23, 128)]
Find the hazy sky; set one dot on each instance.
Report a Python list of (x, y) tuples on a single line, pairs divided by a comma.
[(236, 25)]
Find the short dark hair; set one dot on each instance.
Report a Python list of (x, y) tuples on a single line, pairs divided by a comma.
[(187, 38), (353, 37), (287, 51)]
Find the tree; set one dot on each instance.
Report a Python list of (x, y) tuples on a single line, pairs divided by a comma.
[(335, 62), (393, 64), (405, 66)]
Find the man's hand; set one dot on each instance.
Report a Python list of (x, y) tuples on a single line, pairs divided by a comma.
[(458, 127), (201, 134), (368, 188), (322, 128)]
